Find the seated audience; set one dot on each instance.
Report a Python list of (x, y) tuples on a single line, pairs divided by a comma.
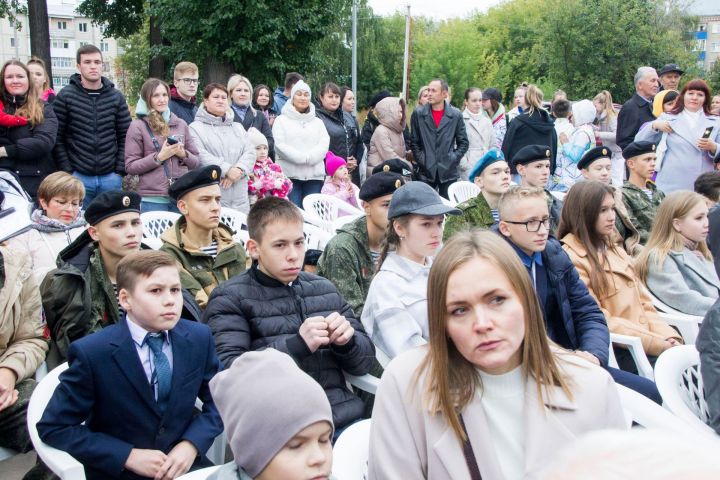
[(597, 164), (676, 264), (573, 319), (275, 305), (350, 258), (297, 443), (125, 405), (708, 185), (395, 313), (586, 232), (57, 222), (492, 175), (203, 246), (267, 178), (22, 350), (532, 163), (640, 195), (338, 182), (488, 396)]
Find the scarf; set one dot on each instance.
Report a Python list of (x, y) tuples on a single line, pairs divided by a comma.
[(43, 223), (240, 110), (499, 115)]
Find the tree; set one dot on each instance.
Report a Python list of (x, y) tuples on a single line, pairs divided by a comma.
[(12, 9), (120, 18), (40, 33)]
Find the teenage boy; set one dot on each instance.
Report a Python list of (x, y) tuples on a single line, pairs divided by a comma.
[(282, 94), (125, 405), (93, 119), (276, 305), (350, 258), (204, 247), (640, 195), (492, 175), (596, 164), (182, 92), (532, 162), (573, 319)]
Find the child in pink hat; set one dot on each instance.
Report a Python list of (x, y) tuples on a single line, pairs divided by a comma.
[(338, 183)]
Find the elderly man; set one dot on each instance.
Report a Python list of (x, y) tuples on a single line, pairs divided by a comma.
[(638, 109), (669, 77)]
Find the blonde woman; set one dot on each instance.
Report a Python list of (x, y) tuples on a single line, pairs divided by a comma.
[(606, 129), (241, 95), (488, 397), (39, 75), (423, 96), (676, 264)]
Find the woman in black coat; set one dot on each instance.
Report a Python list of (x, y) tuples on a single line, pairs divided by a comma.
[(28, 128), (240, 90), (343, 129)]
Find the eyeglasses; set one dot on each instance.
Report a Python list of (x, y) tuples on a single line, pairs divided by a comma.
[(533, 226), (189, 81)]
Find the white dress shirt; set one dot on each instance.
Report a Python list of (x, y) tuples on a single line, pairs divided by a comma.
[(147, 359)]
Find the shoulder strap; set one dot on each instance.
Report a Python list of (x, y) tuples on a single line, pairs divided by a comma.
[(469, 454), (156, 144)]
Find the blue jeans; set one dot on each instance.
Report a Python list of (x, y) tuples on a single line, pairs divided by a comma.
[(97, 184), (303, 188), (158, 207)]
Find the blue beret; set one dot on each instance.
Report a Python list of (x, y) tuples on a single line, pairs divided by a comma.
[(492, 156)]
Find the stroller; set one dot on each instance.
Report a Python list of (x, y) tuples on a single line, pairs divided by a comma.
[(15, 207)]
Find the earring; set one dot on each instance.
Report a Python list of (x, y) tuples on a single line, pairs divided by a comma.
[(402, 237)]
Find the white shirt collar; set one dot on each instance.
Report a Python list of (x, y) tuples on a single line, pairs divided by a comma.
[(138, 333)]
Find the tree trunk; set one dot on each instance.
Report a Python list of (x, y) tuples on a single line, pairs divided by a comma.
[(157, 63), (217, 72), (40, 33)]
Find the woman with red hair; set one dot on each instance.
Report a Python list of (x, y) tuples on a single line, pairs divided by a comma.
[(691, 137)]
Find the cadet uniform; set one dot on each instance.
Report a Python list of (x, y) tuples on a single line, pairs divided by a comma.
[(201, 271), (641, 207)]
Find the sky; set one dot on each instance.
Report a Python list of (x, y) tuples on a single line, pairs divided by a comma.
[(437, 9)]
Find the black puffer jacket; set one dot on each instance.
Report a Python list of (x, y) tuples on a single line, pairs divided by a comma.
[(255, 118), (344, 131), (29, 149), (91, 129), (253, 311)]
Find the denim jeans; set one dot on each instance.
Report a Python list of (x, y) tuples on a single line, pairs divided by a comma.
[(303, 188), (158, 207), (97, 184)]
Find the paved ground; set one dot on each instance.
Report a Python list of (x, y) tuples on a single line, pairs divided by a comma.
[(14, 468)]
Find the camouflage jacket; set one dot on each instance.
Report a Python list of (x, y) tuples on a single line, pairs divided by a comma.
[(78, 297), (640, 209), (555, 206), (628, 234), (347, 263), (476, 213), (200, 273)]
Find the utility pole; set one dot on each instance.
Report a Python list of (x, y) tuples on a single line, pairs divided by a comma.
[(406, 56), (354, 52)]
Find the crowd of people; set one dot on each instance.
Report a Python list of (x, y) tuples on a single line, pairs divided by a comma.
[(488, 321)]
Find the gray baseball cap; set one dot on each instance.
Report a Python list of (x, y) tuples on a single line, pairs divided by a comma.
[(420, 199)]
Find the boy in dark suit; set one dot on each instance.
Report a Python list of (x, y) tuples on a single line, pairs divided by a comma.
[(134, 383)]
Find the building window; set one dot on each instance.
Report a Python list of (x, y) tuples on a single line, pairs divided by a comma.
[(106, 66), (82, 27), (60, 81), (700, 45), (63, 62), (60, 43), (701, 28), (716, 47), (82, 44), (62, 25), (104, 47), (12, 42), (716, 28)]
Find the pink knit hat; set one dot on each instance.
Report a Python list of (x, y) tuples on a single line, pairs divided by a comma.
[(333, 162)]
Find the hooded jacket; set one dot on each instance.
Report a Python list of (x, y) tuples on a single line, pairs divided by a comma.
[(29, 148), (279, 99), (221, 141), (201, 273), (536, 128), (301, 142), (141, 154), (387, 140), (91, 129), (184, 109)]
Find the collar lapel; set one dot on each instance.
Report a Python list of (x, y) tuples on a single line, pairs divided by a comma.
[(689, 260)]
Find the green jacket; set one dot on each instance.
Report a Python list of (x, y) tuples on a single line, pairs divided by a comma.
[(347, 263), (199, 272), (640, 209), (476, 213), (78, 297)]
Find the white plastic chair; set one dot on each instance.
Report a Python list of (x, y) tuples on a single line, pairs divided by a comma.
[(688, 325), (366, 383), (677, 376), (462, 191), (315, 237), (343, 220), (61, 463), (326, 207), (154, 225), (634, 345), (236, 220), (350, 453), (199, 474), (648, 414)]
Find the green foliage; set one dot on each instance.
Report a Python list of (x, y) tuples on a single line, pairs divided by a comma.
[(12, 9), (122, 18), (713, 78), (133, 63)]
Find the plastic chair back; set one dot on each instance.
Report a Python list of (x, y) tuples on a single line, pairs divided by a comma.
[(462, 191), (236, 220), (155, 223), (199, 474), (327, 207), (350, 453)]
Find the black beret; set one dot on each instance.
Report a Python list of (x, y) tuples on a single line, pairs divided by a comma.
[(194, 179), (492, 94), (111, 203), (592, 155), (380, 184), (531, 153), (379, 96), (638, 148), (394, 165)]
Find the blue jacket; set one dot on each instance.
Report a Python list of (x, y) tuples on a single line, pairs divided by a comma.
[(106, 387)]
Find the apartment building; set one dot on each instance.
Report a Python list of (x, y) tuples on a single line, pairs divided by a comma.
[(707, 34), (68, 32)]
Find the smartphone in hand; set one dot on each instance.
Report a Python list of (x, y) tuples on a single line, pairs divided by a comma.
[(706, 134), (171, 140)]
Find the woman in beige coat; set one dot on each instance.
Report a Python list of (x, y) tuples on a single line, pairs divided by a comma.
[(586, 231), (487, 397), (387, 141)]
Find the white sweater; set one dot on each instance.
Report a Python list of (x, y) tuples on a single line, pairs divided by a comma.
[(301, 142)]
